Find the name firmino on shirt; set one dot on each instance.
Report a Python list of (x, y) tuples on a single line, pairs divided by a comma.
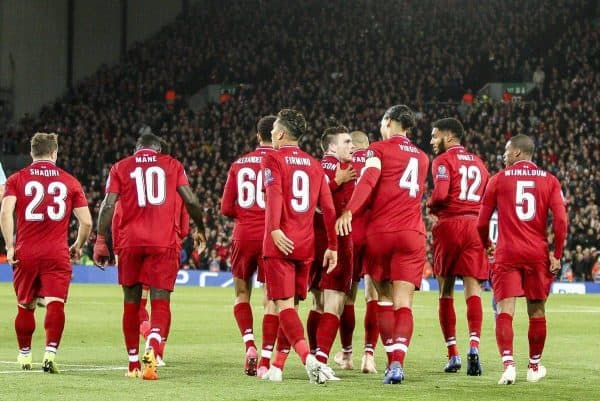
[(525, 173), (44, 173), (298, 161)]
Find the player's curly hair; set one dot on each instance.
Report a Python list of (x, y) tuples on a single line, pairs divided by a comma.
[(403, 114), (293, 121), (452, 125), (264, 127), (334, 127)]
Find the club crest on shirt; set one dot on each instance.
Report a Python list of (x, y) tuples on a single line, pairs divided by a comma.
[(268, 176), (442, 172), (370, 154)]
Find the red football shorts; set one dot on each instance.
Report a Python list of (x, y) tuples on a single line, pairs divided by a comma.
[(340, 279), (152, 266), (458, 250), (316, 268), (246, 258), (286, 278), (41, 278), (358, 265), (396, 256), (532, 280)]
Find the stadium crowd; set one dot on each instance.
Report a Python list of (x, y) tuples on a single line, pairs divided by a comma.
[(428, 54)]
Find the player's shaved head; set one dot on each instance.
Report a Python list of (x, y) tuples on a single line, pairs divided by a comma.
[(264, 127), (43, 144), (523, 143), (150, 141), (359, 139)]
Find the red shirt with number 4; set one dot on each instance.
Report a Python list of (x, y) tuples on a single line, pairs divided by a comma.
[(46, 196), (147, 185)]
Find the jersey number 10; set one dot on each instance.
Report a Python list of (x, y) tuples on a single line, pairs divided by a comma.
[(151, 185)]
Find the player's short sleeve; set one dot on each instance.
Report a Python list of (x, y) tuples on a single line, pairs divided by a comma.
[(79, 199), (11, 186), (113, 183), (374, 150), (440, 169), (270, 170), (182, 179), (2, 175)]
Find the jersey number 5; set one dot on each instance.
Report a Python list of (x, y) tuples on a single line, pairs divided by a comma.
[(523, 197), (151, 185), (56, 211)]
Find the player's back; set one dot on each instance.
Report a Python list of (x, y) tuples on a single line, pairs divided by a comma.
[(147, 185), (524, 193), (301, 179), (396, 204), (245, 190), (468, 178), (46, 196)]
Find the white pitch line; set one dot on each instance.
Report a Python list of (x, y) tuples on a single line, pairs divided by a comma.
[(100, 368), (61, 364)]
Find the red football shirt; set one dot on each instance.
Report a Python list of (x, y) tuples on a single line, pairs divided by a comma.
[(459, 179), (147, 185), (523, 193), (295, 185), (396, 199), (359, 221), (244, 197), (46, 196)]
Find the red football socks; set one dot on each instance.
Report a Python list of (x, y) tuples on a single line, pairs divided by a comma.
[(293, 330), (504, 337), (24, 326), (474, 319), (130, 326), (143, 314), (447, 317), (328, 327), (386, 323), (371, 327), (347, 325), (403, 332), (270, 326), (54, 323), (159, 321), (283, 349), (537, 339), (312, 323), (243, 316)]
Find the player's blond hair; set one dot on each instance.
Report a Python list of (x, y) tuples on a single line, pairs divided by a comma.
[(359, 139), (43, 144)]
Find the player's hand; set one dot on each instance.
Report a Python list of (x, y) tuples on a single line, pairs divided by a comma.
[(330, 260), (10, 256), (101, 253), (554, 264), (74, 253), (490, 251), (282, 242), (343, 225), (200, 242), (342, 176)]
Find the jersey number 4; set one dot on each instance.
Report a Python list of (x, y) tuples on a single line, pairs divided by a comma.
[(36, 190), (151, 185)]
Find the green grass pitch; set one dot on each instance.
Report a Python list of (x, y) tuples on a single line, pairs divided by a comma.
[(205, 354)]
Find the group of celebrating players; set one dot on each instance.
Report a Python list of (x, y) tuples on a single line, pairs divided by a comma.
[(302, 225)]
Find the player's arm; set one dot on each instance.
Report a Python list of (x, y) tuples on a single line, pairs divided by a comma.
[(328, 209), (362, 192), (341, 176), (7, 225), (441, 185), (559, 225), (229, 196), (488, 205), (1, 191), (105, 216), (192, 205), (84, 217)]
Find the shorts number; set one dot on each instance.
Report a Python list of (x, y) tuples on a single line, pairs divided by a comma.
[(410, 177), (525, 213), (468, 192), (248, 193), (56, 211), (300, 191), (151, 185)]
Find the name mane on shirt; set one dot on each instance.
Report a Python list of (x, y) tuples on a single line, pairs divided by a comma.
[(465, 157), (145, 159), (298, 161), (44, 173), (249, 159), (525, 173), (408, 148)]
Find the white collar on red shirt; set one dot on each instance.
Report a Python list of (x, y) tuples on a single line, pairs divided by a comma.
[(524, 161)]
